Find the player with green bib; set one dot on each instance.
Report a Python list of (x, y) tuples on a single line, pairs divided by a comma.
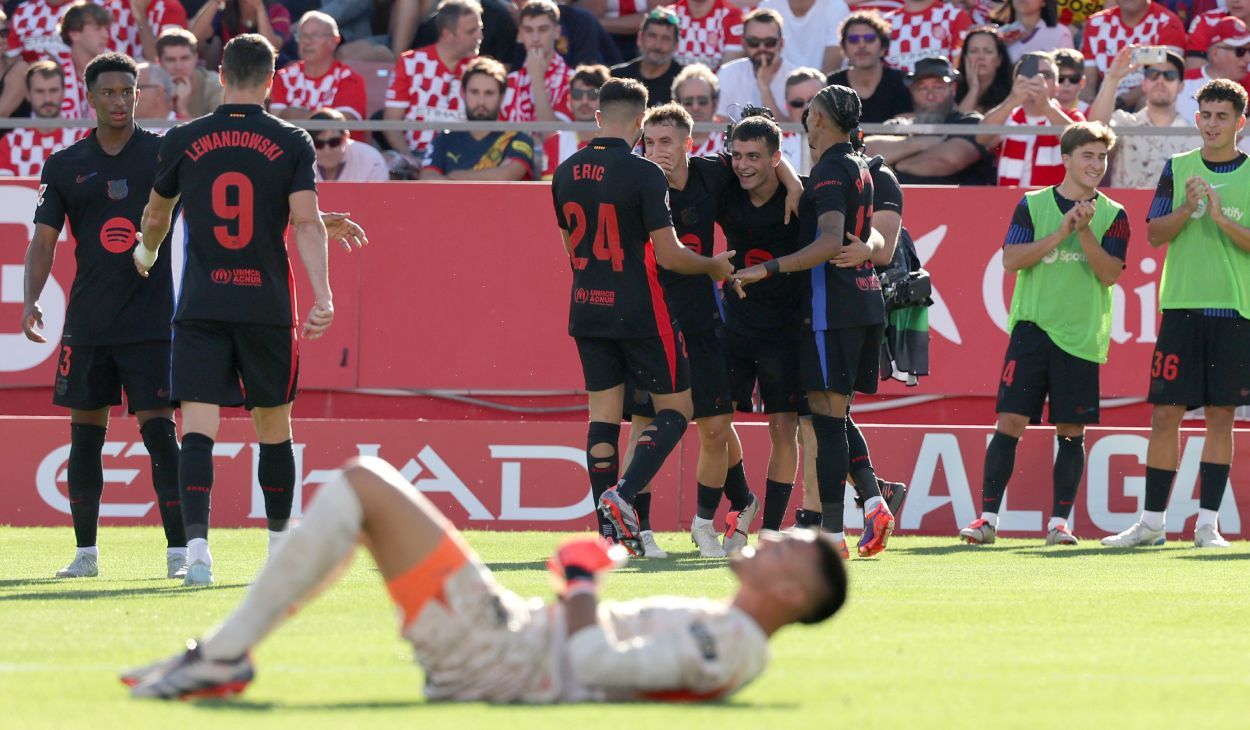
[(1067, 245), (1202, 355)]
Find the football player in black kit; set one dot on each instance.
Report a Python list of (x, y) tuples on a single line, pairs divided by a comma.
[(612, 210), (242, 175), (845, 312), (116, 334)]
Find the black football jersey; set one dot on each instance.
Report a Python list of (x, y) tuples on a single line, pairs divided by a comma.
[(609, 200), (772, 309), (235, 170), (695, 297), (841, 298), (103, 197)]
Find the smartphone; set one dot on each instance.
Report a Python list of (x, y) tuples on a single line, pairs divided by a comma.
[(1149, 55), (1029, 66)]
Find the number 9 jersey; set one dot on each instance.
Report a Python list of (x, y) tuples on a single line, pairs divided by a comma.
[(235, 170), (609, 200)]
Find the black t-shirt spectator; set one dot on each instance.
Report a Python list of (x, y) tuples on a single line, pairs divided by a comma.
[(659, 89), (890, 99), (981, 172)]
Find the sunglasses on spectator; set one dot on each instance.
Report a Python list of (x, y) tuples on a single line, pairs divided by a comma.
[(757, 42), (860, 37), (579, 94), (333, 143), (1074, 79), (796, 103), (695, 100), (1169, 74), (664, 16), (1241, 52)]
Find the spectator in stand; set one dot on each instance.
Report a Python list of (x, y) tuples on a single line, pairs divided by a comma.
[(354, 18), (481, 155), (1071, 81), (581, 40), (1137, 159), (1131, 22), (697, 89), (525, 101), (12, 78), (33, 30), (1201, 27), (197, 91), (23, 151), (583, 102), (499, 30), (318, 80), (225, 19), (156, 96), (655, 67), (925, 28), (339, 157), (135, 28), (760, 78), (882, 90), (1030, 160), (1228, 57), (812, 37), (426, 82), (928, 159), (984, 71), (84, 28), (801, 86), (1031, 25), (711, 32), (621, 20)]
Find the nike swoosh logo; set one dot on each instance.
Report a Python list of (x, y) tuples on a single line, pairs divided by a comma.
[(1217, 187), (84, 178)]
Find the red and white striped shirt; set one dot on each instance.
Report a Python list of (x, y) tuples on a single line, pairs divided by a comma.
[(713, 145), (161, 14), (339, 88), (557, 148), (938, 30), (32, 31), (621, 8), (1106, 34), (75, 104), (706, 40), (23, 151), (518, 97), (427, 90), (1031, 160)]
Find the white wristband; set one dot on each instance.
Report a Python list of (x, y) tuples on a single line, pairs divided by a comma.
[(145, 256)]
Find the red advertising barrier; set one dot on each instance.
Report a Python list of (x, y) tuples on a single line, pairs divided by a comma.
[(530, 475), (465, 286)]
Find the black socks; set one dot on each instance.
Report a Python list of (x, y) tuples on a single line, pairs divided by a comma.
[(195, 483), (604, 471), (653, 448), (161, 441), (1069, 466), (86, 480), (1000, 461), (275, 471)]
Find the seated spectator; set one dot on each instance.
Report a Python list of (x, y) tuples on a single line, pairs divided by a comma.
[(12, 78), (1071, 80), (197, 91), (526, 101), (134, 34), (582, 41), (760, 78), (339, 157), (155, 100), (23, 151), (84, 28), (882, 90), (655, 67), (925, 28), (426, 82), (711, 32), (1137, 159), (481, 155), (499, 30), (32, 30), (1026, 160), (697, 89), (1130, 23), (801, 86), (318, 80), (221, 20), (935, 160), (1200, 28), (812, 37), (1031, 25), (583, 103), (1228, 57), (984, 72)]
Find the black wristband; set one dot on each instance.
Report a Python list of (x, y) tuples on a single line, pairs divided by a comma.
[(772, 267)]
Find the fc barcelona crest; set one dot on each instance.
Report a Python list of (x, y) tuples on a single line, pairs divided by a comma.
[(118, 189)]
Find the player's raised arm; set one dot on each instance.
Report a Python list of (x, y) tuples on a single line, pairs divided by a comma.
[(827, 245), (157, 219), (39, 257), (310, 239)]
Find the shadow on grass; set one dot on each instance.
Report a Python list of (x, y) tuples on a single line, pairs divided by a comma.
[(1214, 556), (237, 704), (23, 582), (958, 548), (90, 593)]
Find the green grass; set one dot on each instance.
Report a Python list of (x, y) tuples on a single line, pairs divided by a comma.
[(935, 635)]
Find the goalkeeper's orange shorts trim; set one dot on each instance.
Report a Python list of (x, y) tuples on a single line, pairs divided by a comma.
[(427, 579)]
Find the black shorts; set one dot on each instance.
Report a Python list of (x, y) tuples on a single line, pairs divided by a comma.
[(709, 380), (89, 377), (654, 364), (773, 365), (210, 359), (1200, 360), (1034, 368), (843, 360)]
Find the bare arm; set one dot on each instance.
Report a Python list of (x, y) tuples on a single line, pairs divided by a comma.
[(828, 243), (39, 257), (675, 257), (310, 239), (1164, 229), (997, 115), (157, 219), (295, 112), (948, 158), (405, 17), (897, 148), (1091, 83), (202, 24), (832, 60), (147, 38), (1104, 102), (14, 89), (394, 137), (888, 224)]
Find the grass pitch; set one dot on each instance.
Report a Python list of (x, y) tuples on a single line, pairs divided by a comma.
[(935, 635)]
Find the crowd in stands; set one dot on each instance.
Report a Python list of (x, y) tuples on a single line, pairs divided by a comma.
[(967, 62)]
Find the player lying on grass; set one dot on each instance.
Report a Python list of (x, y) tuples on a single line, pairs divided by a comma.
[(479, 641)]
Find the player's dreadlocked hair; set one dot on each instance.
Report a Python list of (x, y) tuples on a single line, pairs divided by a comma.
[(106, 62), (840, 104)]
